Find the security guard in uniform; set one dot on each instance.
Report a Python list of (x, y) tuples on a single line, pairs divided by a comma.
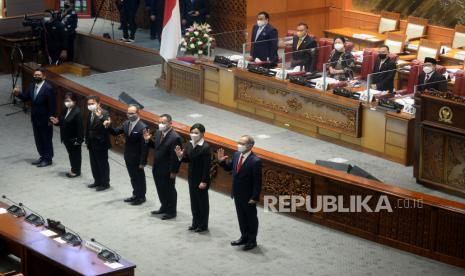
[(69, 18), (56, 42)]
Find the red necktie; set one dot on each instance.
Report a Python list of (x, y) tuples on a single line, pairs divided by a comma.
[(239, 165)]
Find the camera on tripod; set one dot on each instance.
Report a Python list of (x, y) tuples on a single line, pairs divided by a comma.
[(37, 24)]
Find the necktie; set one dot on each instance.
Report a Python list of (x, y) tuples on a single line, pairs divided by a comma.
[(67, 112), (260, 29), (131, 127), (299, 43), (36, 90), (427, 77), (239, 164), (92, 118)]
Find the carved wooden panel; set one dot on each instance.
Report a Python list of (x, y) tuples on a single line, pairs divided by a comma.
[(107, 8), (432, 155), (186, 81), (277, 181), (450, 234), (313, 109), (455, 171), (228, 19)]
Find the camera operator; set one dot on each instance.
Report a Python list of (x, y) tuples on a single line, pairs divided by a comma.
[(69, 18), (55, 38)]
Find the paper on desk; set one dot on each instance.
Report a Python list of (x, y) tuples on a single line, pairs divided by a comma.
[(364, 36), (3, 211), (114, 265), (59, 240), (48, 233), (412, 46)]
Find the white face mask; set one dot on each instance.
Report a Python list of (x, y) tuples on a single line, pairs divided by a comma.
[(427, 69), (261, 23), (92, 107), (241, 148), (68, 104), (338, 46), (195, 137), (162, 127)]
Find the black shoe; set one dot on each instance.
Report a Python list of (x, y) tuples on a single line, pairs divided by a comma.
[(240, 241), (165, 217), (44, 164), (102, 188), (37, 162), (200, 229), (94, 185), (249, 246), (138, 201), (158, 212), (130, 199), (72, 175), (192, 228)]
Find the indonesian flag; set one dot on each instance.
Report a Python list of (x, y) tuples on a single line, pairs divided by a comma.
[(171, 34)]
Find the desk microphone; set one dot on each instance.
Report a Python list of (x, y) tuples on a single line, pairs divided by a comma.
[(34, 217), (16, 209), (72, 237), (107, 254)]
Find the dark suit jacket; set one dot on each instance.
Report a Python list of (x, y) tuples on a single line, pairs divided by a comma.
[(199, 159), (135, 149), (384, 81), (266, 45), (157, 8), (71, 128), (165, 160), (43, 107), (187, 6), (247, 183), (436, 81), (97, 136), (304, 57)]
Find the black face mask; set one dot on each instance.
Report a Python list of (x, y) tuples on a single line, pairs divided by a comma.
[(382, 56), (37, 79)]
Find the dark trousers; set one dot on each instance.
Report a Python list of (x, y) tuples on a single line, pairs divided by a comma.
[(166, 192), (99, 166), (71, 38), (137, 177), (128, 23), (75, 157), (156, 28), (43, 135), (200, 206), (248, 220)]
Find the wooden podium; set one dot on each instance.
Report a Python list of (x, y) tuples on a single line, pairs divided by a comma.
[(440, 142)]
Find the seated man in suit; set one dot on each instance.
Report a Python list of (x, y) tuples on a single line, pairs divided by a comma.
[(42, 97), (383, 71), (264, 40), (302, 45), (429, 78)]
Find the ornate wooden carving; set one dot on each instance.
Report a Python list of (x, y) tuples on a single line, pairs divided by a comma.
[(228, 19), (432, 155), (186, 81)]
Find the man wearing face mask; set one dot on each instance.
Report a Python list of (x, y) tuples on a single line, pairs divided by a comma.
[(71, 132), (165, 165), (429, 78), (264, 40), (302, 45), (198, 155), (246, 170), (69, 19), (98, 143), (383, 81), (135, 152), (42, 97), (56, 41)]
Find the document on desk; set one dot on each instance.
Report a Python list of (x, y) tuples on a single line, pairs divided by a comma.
[(48, 233), (460, 55), (3, 211), (59, 240), (364, 36), (114, 265)]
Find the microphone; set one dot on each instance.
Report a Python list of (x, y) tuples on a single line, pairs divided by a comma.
[(15, 209), (72, 237), (107, 254), (33, 218)]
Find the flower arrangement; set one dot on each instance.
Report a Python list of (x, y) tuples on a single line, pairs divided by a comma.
[(197, 39)]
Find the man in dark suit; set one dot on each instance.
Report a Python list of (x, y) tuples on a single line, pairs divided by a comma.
[(246, 170), (135, 152), (193, 11), (98, 142), (264, 40), (42, 97), (383, 81), (429, 78), (128, 19), (303, 48), (165, 165), (157, 11)]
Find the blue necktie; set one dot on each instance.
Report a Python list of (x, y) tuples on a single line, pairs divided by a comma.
[(36, 91)]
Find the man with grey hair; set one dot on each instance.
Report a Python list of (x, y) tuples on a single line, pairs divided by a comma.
[(135, 152), (246, 169)]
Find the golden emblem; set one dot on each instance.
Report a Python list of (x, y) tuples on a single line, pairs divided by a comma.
[(445, 115)]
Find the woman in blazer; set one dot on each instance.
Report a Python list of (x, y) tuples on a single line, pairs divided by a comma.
[(71, 132), (197, 154)]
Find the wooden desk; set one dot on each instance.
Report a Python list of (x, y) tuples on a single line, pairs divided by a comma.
[(424, 230), (450, 59), (41, 255), (359, 43)]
